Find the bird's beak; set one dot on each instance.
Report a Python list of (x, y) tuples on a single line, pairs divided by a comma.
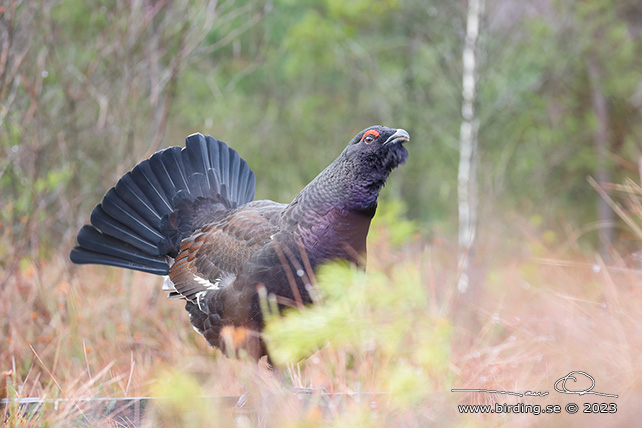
[(400, 136)]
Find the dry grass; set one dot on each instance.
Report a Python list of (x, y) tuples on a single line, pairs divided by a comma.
[(74, 332)]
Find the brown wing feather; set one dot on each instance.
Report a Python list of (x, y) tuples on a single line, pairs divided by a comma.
[(214, 256)]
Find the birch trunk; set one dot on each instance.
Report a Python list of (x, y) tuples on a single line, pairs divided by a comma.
[(468, 156)]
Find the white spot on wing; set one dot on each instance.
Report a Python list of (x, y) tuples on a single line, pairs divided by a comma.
[(199, 296), (168, 285), (219, 284), (216, 285)]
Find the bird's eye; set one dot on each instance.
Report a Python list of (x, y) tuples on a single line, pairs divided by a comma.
[(370, 136)]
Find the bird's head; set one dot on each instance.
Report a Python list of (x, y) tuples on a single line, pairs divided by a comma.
[(377, 150)]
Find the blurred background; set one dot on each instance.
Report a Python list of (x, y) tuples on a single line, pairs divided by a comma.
[(89, 88)]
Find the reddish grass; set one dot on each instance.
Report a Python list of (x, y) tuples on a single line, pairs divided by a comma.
[(94, 331)]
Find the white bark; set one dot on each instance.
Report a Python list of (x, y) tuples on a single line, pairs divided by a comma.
[(468, 157)]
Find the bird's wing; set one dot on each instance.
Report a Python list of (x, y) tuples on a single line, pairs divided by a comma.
[(213, 257)]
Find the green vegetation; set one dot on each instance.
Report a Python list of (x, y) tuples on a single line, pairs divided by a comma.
[(97, 88)]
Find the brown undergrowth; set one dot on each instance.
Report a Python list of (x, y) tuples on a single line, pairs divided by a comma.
[(382, 348)]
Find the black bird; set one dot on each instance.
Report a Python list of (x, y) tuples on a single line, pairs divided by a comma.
[(189, 213)]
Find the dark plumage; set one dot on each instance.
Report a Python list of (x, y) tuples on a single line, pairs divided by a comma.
[(190, 214)]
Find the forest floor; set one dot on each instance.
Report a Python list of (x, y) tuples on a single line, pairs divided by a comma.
[(97, 332)]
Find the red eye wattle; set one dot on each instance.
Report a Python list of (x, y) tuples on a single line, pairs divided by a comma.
[(370, 135)]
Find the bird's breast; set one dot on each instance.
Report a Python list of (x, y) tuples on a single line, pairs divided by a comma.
[(336, 235)]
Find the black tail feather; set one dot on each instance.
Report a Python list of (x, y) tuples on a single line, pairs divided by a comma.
[(135, 197), (172, 162), (99, 248), (198, 154), (150, 186), (112, 227), (119, 210), (136, 225)]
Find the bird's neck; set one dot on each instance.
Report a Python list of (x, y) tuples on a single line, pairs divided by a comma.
[(332, 214), (342, 186)]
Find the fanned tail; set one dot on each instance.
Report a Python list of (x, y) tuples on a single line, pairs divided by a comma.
[(161, 201)]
